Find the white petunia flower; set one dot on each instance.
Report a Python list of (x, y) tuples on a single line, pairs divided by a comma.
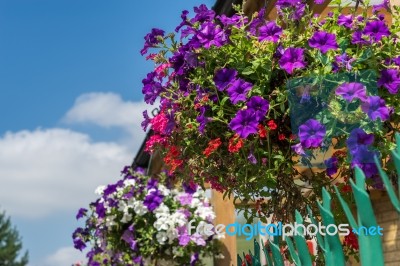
[(99, 190), (161, 237)]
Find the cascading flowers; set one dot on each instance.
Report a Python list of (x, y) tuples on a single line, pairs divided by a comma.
[(248, 104), (140, 221)]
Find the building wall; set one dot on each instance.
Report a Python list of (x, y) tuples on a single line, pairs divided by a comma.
[(389, 220)]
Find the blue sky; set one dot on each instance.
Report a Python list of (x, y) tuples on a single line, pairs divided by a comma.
[(70, 105)]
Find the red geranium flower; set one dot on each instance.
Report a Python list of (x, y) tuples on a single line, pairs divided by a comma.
[(272, 125), (235, 143), (212, 146), (262, 132)]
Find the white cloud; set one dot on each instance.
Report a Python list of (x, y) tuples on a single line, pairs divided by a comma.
[(106, 110), (46, 171), (64, 256)]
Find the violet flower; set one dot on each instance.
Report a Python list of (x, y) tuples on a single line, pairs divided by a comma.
[(359, 38), (311, 133), (376, 30), (244, 123), (270, 32), (376, 108), (210, 34), (224, 77), (352, 90), (390, 80), (153, 200), (345, 20), (364, 158), (343, 61), (323, 41), (331, 166), (259, 105), (202, 14), (292, 58), (358, 137), (151, 39), (238, 90), (81, 212)]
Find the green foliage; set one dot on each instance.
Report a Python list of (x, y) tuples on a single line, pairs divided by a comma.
[(10, 244)]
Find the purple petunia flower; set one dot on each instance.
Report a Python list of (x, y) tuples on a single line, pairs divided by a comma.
[(291, 59), (319, 2), (259, 105), (376, 30), (390, 80), (152, 183), (359, 38), (238, 90), (210, 34), (100, 210), (384, 5), (145, 123), (202, 14), (198, 239), (343, 61), (345, 20), (185, 199), (224, 77), (235, 20), (323, 41), (252, 159), (296, 8), (244, 123), (194, 258), (128, 237), (352, 90), (203, 119), (375, 107), (331, 166), (270, 32), (311, 134), (81, 213), (358, 137), (364, 158), (79, 244), (299, 149), (151, 39), (153, 200), (151, 92)]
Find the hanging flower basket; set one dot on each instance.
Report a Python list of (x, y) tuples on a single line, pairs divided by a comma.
[(141, 221), (250, 105)]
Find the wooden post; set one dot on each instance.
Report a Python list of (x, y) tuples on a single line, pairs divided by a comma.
[(225, 214)]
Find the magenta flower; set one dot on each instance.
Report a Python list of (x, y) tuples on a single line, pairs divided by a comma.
[(224, 77), (291, 59), (390, 80), (345, 20), (323, 41), (375, 107), (244, 123), (270, 32), (311, 134), (238, 90), (376, 30), (259, 106), (352, 90)]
